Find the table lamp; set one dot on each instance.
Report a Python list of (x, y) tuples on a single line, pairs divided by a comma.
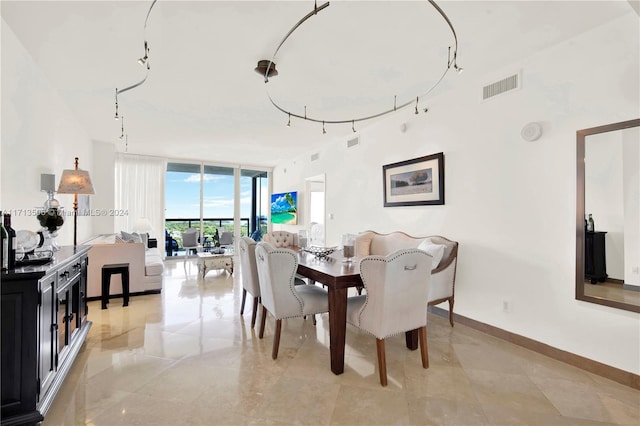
[(75, 182)]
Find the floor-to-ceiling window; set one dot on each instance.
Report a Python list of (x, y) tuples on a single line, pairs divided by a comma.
[(207, 198), (254, 201), (218, 197), (182, 204)]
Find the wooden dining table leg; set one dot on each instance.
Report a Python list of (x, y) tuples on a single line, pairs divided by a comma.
[(412, 339), (337, 327)]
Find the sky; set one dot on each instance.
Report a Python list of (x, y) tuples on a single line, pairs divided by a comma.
[(182, 196)]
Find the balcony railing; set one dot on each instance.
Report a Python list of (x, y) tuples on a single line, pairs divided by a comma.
[(211, 227)]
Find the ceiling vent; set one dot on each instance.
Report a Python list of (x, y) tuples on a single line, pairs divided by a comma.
[(315, 156), (353, 142), (505, 85)]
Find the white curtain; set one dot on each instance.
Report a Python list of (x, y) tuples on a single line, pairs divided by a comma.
[(139, 192)]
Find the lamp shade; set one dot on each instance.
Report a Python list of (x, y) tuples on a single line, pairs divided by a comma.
[(142, 225), (75, 182)]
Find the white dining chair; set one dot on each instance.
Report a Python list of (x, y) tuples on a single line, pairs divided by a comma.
[(250, 283), (396, 287), (279, 295)]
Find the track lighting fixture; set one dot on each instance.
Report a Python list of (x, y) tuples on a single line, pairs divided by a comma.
[(122, 127), (267, 69), (324, 132), (353, 125), (289, 122), (142, 61)]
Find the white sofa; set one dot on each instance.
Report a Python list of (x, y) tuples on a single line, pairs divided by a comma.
[(145, 266), (443, 276)]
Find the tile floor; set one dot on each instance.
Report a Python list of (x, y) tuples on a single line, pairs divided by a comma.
[(186, 357)]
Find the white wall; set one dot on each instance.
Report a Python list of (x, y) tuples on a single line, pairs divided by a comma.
[(39, 135), (509, 203)]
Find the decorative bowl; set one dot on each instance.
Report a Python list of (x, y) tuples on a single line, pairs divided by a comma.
[(320, 252)]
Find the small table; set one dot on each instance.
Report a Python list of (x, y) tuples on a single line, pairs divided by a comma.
[(208, 261)]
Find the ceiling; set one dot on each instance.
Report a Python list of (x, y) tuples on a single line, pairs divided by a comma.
[(202, 97)]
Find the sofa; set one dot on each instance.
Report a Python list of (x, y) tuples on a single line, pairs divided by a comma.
[(145, 265), (443, 251)]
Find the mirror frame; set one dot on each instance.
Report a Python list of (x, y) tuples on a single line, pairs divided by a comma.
[(580, 207)]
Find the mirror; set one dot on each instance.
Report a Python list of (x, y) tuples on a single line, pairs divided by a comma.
[(608, 179)]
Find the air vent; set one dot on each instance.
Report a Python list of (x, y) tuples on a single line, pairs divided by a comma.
[(353, 142), (315, 156), (499, 87)]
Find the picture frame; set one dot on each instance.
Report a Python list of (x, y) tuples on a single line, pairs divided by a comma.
[(415, 182)]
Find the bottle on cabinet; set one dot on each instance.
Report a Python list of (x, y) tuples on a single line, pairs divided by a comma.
[(4, 246), (590, 224), (10, 246)]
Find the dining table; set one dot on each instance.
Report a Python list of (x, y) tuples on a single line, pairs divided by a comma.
[(338, 275)]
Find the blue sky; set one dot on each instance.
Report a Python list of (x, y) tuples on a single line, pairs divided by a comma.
[(182, 196)]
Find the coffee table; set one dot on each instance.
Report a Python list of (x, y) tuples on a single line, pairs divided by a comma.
[(209, 261)]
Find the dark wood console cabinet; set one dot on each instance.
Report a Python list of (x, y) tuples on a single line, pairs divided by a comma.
[(44, 324), (595, 259)]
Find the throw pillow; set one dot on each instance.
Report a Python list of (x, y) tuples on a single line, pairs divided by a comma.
[(136, 238), (363, 243), (435, 250), (126, 236)]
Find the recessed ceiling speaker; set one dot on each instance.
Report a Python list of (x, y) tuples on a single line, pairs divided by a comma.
[(531, 132)]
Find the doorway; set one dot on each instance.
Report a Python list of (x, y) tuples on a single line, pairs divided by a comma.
[(315, 218)]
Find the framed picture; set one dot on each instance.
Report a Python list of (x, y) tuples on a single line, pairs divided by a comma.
[(415, 182), (284, 208)]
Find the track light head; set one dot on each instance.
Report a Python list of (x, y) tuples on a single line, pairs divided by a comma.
[(145, 58)]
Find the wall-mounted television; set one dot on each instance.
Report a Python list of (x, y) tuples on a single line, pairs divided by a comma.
[(284, 208)]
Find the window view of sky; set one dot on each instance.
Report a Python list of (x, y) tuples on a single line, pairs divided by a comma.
[(182, 196)]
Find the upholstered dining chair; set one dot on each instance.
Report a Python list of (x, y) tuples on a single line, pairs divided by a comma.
[(285, 239), (226, 239), (250, 283), (396, 289), (190, 241), (279, 294)]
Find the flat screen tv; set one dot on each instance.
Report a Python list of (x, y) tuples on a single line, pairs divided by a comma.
[(284, 208)]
